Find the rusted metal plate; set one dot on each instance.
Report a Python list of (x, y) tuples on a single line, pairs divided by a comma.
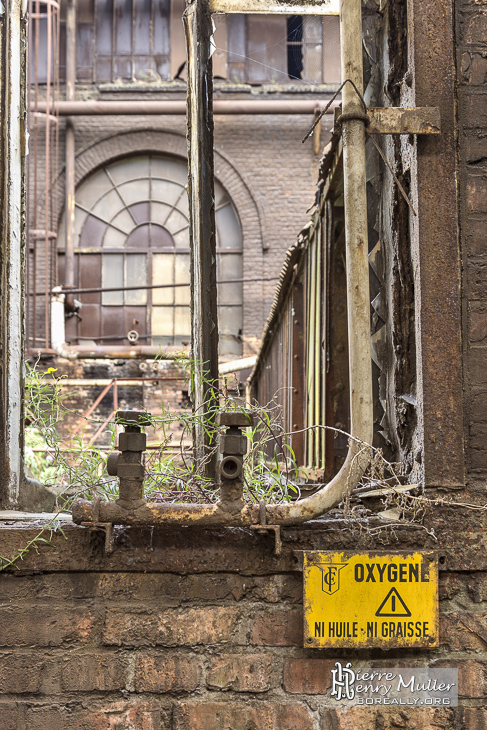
[(197, 550), (402, 120), (297, 7), (359, 600)]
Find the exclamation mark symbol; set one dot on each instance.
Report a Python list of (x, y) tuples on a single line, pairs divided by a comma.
[(393, 600)]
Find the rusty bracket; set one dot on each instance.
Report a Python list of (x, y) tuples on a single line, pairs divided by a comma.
[(399, 120), (262, 528), (106, 526)]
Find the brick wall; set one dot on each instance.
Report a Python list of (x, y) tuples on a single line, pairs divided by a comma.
[(188, 629), (472, 118)]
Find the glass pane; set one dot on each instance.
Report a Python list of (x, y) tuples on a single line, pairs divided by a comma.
[(92, 189), (182, 294), (181, 239), (182, 321), (229, 266), (140, 212), (130, 169), (161, 18), (124, 221), (114, 238), (104, 16), (167, 191), (267, 49), (142, 26), (163, 273), (92, 234), (108, 205), (61, 234), (229, 346), (331, 50), (221, 196), (229, 320), (136, 275), (228, 227), (123, 31), (111, 276), (237, 47), (170, 169), (170, 218), (312, 49), (79, 220), (134, 191), (162, 321)]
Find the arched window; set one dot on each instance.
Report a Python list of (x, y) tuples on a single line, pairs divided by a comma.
[(132, 230)]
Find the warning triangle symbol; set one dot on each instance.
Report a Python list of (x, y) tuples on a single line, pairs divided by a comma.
[(393, 605)]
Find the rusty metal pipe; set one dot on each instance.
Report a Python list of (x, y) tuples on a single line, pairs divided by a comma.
[(114, 352), (358, 296), (70, 144), (12, 157), (178, 108), (151, 513)]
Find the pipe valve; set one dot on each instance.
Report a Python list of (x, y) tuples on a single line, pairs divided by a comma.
[(128, 462)]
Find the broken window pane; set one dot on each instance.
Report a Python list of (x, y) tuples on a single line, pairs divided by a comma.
[(136, 275), (112, 276)]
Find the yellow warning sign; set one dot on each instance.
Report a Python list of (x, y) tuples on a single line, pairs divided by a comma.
[(370, 599)]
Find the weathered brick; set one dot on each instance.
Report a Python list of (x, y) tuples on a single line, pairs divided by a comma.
[(478, 410), (240, 672), (450, 584), (38, 717), (307, 676), (477, 187), (472, 677), (477, 331), (475, 234), (163, 673), (477, 278), (475, 30), (112, 716), (363, 718), (276, 588), (277, 628), (474, 69), (185, 627), (239, 716), (475, 147), (9, 716), (84, 673), (463, 630), (45, 626), (474, 718), (20, 673), (477, 584)]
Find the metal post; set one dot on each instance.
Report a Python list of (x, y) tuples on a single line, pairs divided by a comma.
[(12, 189), (356, 241), (204, 317), (70, 143)]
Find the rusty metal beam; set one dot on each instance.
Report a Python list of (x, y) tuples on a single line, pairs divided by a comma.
[(400, 120), (294, 7), (435, 248), (179, 108), (204, 311)]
